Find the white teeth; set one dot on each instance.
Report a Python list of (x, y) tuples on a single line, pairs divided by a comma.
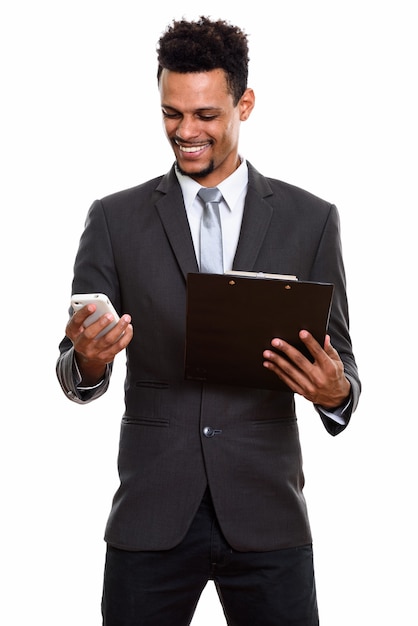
[(190, 148)]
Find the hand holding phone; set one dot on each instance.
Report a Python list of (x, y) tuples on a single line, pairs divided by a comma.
[(103, 306)]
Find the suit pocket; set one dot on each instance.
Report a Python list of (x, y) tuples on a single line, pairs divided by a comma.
[(274, 421), (145, 421), (145, 404), (152, 384)]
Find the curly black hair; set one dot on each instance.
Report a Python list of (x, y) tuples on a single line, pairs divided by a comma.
[(204, 45)]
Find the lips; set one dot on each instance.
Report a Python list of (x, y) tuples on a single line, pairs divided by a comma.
[(191, 149)]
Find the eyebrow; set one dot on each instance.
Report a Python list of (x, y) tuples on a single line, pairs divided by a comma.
[(199, 110)]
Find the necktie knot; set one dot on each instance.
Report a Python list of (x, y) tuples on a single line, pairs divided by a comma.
[(210, 194), (211, 253)]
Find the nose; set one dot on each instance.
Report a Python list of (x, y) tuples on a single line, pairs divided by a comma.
[(188, 128)]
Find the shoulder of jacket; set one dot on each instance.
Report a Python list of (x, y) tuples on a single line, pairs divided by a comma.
[(142, 189)]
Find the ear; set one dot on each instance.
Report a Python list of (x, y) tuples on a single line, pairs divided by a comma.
[(246, 104)]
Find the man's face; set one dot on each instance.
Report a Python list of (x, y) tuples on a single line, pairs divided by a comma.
[(202, 124)]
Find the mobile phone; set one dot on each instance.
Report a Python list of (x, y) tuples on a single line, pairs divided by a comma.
[(103, 305)]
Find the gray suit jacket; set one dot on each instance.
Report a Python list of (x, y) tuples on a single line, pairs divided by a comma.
[(137, 249)]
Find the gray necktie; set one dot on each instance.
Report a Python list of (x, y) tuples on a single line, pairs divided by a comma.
[(211, 254)]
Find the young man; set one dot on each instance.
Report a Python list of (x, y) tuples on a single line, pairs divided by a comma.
[(211, 475)]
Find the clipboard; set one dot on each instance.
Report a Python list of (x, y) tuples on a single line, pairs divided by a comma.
[(231, 319)]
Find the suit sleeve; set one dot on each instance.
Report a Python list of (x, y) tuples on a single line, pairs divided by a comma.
[(328, 266), (94, 271), (69, 378)]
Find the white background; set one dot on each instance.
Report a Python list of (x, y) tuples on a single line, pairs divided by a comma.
[(336, 113)]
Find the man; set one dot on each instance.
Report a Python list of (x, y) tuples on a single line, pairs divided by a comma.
[(211, 475)]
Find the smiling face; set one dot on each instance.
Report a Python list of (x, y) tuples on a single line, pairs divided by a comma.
[(202, 124)]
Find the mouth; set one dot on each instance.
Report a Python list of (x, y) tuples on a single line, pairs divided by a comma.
[(192, 150)]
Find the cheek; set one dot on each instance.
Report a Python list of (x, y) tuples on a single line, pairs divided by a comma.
[(234, 124), (169, 127), (231, 132)]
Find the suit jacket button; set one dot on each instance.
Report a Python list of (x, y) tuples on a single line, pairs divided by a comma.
[(208, 431)]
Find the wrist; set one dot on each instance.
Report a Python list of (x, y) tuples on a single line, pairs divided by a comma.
[(91, 372), (340, 402)]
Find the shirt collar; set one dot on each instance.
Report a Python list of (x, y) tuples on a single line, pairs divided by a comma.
[(231, 188)]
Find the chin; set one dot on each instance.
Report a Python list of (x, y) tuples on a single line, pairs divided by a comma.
[(202, 173)]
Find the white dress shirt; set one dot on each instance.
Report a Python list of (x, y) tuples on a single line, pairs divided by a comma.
[(231, 208)]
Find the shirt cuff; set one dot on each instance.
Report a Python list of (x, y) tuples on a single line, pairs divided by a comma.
[(77, 379), (341, 414), (70, 378)]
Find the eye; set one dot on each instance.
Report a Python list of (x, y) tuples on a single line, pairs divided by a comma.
[(208, 115), (207, 118), (170, 116)]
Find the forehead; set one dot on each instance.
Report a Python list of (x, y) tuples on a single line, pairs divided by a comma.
[(194, 89)]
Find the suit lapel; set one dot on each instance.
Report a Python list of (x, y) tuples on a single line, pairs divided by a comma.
[(170, 207), (256, 221)]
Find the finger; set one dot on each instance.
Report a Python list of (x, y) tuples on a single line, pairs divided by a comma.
[(92, 331), (294, 368), (75, 326), (330, 350), (79, 317), (284, 370), (118, 331), (292, 353), (318, 352), (110, 337), (123, 339)]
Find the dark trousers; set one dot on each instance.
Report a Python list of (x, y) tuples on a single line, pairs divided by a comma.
[(255, 588)]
